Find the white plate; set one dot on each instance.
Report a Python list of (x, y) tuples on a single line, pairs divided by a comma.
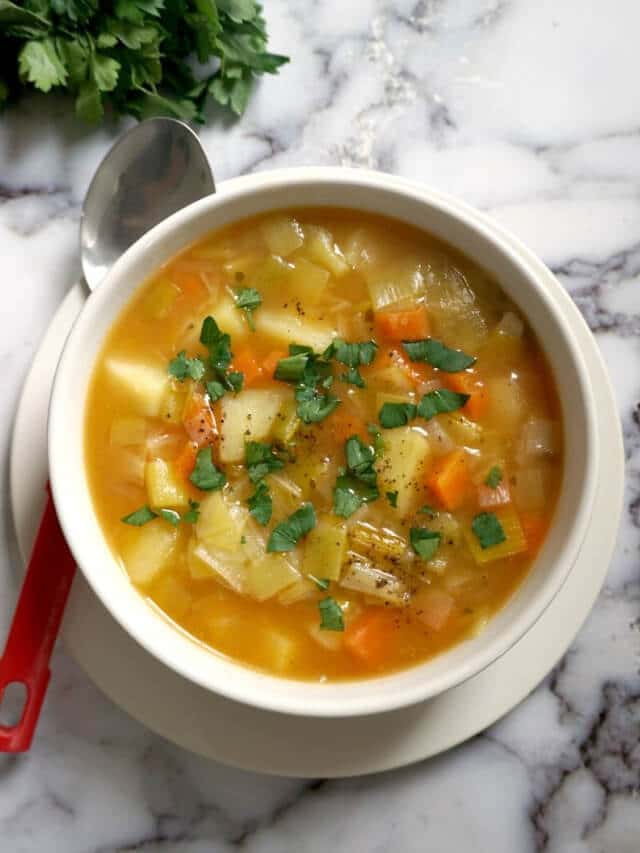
[(295, 746)]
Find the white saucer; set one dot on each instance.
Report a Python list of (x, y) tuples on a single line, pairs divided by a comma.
[(274, 743)]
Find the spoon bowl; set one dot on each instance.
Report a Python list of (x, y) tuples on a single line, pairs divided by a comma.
[(155, 169)]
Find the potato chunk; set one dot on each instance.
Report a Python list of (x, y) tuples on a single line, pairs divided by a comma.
[(145, 384), (249, 416)]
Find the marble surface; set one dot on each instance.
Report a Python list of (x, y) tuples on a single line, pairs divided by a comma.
[(530, 111)]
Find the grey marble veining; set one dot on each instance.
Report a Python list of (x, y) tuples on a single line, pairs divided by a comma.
[(530, 111)]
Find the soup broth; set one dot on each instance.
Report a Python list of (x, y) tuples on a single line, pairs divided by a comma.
[(324, 444)]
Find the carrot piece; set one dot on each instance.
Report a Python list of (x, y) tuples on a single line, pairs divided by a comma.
[(246, 362), (412, 324), (488, 497), (191, 285), (198, 419), (449, 479), (535, 528), (370, 638), (185, 461), (270, 362), (468, 382)]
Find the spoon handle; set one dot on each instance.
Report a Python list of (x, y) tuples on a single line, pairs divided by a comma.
[(35, 627)]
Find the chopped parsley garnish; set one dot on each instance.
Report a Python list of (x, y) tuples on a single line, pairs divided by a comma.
[(260, 504), (428, 510), (291, 369), (260, 460), (353, 377), (205, 475), (313, 405), (396, 414), (439, 402), (438, 355), (488, 529), (330, 615), (392, 497), (182, 368), (286, 535), (248, 299), (494, 477), (215, 390), (321, 583), (140, 516), (424, 542), (219, 345), (170, 515), (378, 440), (353, 354), (358, 483), (193, 513)]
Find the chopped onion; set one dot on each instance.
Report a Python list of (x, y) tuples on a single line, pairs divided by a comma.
[(439, 439), (511, 324), (433, 607), (225, 565), (361, 576), (529, 488), (287, 485), (538, 438), (329, 640), (163, 445)]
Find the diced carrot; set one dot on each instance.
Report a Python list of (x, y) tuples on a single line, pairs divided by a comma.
[(185, 461), (468, 382), (535, 527), (246, 362), (488, 497), (345, 422), (410, 325), (198, 419), (370, 638), (449, 479), (270, 362), (191, 284), (433, 607)]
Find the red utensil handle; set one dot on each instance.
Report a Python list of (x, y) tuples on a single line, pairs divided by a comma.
[(35, 627)]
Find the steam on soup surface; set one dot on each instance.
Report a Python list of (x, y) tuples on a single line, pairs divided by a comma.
[(324, 444)]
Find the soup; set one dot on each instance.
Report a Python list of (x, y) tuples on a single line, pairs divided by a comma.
[(323, 444)]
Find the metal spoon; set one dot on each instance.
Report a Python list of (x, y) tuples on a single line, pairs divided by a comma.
[(155, 169)]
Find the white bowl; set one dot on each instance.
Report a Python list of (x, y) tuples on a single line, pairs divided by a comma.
[(437, 214)]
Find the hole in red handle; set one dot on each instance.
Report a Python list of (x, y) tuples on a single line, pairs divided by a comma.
[(13, 701)]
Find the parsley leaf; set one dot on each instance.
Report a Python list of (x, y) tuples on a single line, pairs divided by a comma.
[(330, 615), (424, 542), (215, 390), (378, 440), (140, 516), (321, 583), (170, 515), (440, 401), (260, 460), (392, 497), (313, 405), (352, 354), (488, 529), (428, 510), (260, 504), (494, 477), (182, 368), (358, 484), (286, 535), (219, 345), (438, 355), (193, 513), (396, 414), (248, 299), (353, 377), (205, 475), (291, 368)]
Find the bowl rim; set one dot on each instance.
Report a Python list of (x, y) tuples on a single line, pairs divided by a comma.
[(383, 694)]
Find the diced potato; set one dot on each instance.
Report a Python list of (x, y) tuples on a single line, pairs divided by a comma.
[(515, 542), (229, 317), (433, 607), (403, 465), (226, 567), (199, 568), (322, 249), (456, 315), (301, 590), (130, 467), (325, 548), (149, 551), (360, 575), (286, 327), (462, 430), (164, 487), (144, 383), (221, 523), (272, 276), (173, 403), (306, 283), (128, 431), (279, 649), (248, 416), (160, 298), (378, 541), (282, 234), (269, 575), (287, 422), (309, 473)]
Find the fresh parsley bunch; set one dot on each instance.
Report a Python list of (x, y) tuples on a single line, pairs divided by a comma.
[(143, 57)]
